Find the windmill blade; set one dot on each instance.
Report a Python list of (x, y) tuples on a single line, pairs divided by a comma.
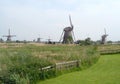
[(61, 36), (70, 21), (49, 39), (5, 36), (105, 31), (41, 38), (12, 35), (73, 36), (9, 32)]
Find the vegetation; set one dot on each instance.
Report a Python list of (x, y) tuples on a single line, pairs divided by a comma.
[(22, 63), (87, 41), (105, 71)]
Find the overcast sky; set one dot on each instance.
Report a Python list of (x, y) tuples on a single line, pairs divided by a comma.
[(29, 19)]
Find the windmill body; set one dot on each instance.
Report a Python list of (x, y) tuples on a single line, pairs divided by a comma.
[(67, 38), (103, 39), (38, 40)]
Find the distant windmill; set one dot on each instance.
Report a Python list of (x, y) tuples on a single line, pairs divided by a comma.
[(49, 40), (9, 36), (39, 39), (103, 37), (1, 40), (68, 34)]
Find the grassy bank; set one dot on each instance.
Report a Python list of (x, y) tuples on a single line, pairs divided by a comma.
[(105, 71), (22, 63)]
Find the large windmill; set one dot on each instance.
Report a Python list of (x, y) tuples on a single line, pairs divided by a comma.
[(68, 34), (9, 36), (103, 37)]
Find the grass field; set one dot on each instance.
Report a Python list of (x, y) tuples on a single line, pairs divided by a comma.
[(23, 63), (105, 71)]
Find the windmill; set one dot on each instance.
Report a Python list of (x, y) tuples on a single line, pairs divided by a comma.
[(39, 39), (103, 37), (1, 40), (67, 34), (9, 36), (49, 40)]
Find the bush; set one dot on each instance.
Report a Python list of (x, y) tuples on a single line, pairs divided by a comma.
[(90, 57)]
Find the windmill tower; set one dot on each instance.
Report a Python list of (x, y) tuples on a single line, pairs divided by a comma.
[(9, 36), (103, 37), (68, 34)]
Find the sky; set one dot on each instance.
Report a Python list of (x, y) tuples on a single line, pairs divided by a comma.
[(30, 19)]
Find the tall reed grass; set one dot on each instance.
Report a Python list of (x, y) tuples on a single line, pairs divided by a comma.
[(22, 64)]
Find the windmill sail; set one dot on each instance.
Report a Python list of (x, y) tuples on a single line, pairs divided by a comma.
[(105, 31), (70, 21), (9, 32)]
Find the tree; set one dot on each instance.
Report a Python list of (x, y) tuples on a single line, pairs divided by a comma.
[(88, 41), (109, 42)]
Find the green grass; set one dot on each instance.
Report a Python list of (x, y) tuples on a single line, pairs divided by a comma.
[(105, 71)]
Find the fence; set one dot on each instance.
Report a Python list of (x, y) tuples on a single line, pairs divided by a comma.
[(104, 52), (67, 65), (63, 65)]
